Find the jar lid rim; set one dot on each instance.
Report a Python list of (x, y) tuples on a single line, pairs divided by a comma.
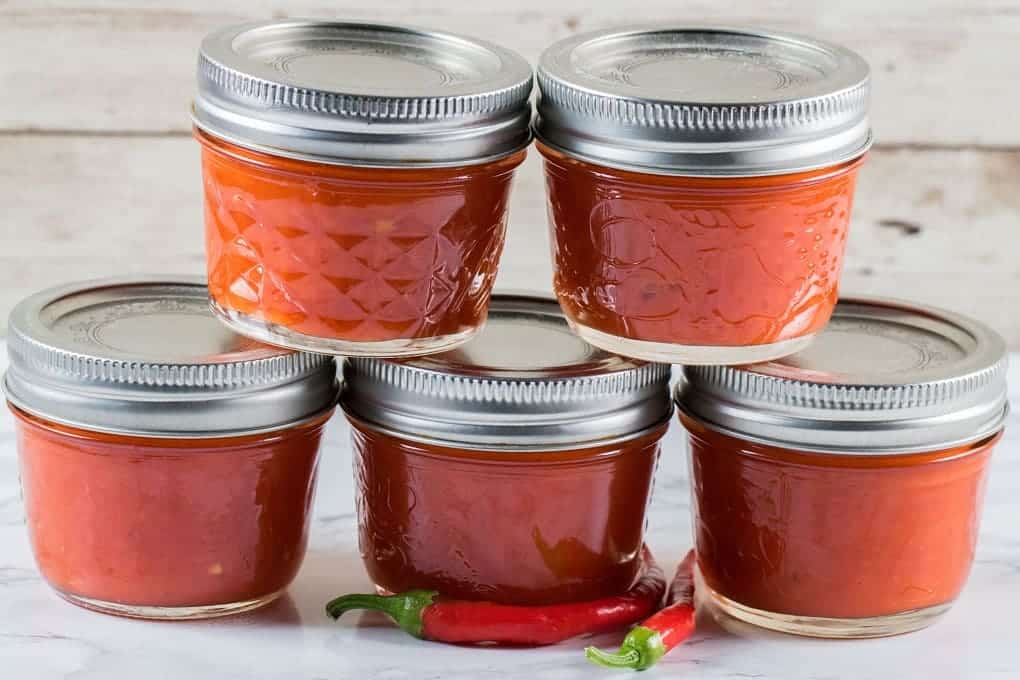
[(362, 93), (525, 381), (144, 355), (704, 100), (885, 375)]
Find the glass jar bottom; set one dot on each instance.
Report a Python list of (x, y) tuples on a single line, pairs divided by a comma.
[(169, 613), (691, 355), (276, 334), (822, 627)]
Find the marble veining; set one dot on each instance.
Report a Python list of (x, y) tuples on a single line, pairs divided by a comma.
[(42, 637)]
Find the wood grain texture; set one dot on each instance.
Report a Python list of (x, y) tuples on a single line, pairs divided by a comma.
[(941, 67), (935, 226)]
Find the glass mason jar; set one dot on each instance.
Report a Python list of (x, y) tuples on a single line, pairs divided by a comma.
[(167, 464), (700, 184), (356, 182), (838, 491), (517, 468)]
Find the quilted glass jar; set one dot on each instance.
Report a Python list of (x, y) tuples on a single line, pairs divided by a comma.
[(356, 182), (700, 185)]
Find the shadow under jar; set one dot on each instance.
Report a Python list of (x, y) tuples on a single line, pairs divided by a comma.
[(356, 182), (516, 469), (167, 464), (700, 184), (838, 491)]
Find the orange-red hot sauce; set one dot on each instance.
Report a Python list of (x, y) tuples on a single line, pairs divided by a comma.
[(700, 183), (168, 465), (838, 491), (356, 182), (357, 255), (821, 535), (502, 526), (730, 262), (515, 469), (153, 527)]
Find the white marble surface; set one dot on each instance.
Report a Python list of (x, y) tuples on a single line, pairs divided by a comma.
[(42, 637)]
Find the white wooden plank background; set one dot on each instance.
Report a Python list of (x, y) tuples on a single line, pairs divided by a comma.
[(98, 174)]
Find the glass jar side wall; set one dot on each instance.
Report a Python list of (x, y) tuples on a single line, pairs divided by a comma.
[(352, 260), (519, 528), (697, 270), (834, 545), (167, 528)]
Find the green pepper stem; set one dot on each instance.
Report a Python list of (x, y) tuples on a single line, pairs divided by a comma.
[(341, 605), (628, 659), (405, 609), (640, 650)]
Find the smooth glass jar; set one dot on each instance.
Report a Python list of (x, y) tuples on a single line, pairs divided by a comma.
[(111, 532), (356, 204), (700, 185), (168, 466), (787, 537), (515, 469), (499, 526), (838, 492)]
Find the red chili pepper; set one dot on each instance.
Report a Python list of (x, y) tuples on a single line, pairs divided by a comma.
[(647, 643), (426, 614)]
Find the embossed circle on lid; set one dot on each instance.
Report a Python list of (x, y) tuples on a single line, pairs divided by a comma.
[(363, 94), (524, 382), (703, 101), (884, 376), (145, 356)]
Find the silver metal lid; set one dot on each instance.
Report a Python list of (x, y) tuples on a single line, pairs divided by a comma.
[(145, 356), (703, 101), (362, 94), (884, 376), (525, 382)]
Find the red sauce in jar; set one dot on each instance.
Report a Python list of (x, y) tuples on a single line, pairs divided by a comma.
[(838, 491), (167, 463), (352, 254), (135, 525), (698, 261), (515, 527), (835, 536), (356, 181), (699, 206)]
